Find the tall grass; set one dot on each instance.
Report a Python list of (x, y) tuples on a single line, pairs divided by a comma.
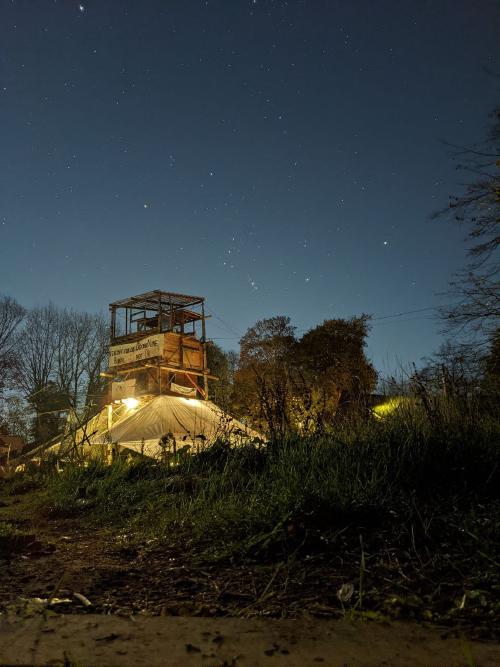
[(246, 498)]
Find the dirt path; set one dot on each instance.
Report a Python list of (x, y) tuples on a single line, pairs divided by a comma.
[(183, 614), (129, 574), (224, 642)]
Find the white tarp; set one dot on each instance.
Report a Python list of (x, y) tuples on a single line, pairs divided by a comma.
[(145, 348), (185, 391), (188, 420)]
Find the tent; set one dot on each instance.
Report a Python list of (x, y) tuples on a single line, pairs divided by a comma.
[(177, 420)]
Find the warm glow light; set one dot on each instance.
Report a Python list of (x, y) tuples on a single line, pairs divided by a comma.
[(385, 409), (130, 403)]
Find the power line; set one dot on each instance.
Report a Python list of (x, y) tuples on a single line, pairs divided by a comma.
[(374, 319), (402, 321), (409, 312), (224, 338), (226, 325)]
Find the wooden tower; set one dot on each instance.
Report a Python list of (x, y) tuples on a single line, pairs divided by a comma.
[(158, 346)]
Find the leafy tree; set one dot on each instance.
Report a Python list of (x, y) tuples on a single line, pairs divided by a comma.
[(478, 209), (223, 365), (263, 386), (268, 341), (292, 384), (334, 370)]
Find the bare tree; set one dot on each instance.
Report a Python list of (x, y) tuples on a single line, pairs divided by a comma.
[(81, 353), (60, 354), (36, 349), (477, 288), (11, 316), (72, 333), (14, 416), (65, 347), (454, 370), (95, 359)]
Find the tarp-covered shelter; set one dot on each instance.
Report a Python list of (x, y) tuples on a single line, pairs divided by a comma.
[(156, 424)]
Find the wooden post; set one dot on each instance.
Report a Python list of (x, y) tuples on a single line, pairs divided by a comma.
[(159, 332), (204, 343), (203, 329)]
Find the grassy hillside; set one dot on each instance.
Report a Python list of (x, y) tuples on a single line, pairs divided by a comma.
[(404, 511)]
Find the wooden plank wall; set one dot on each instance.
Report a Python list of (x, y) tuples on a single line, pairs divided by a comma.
[(190, 356)]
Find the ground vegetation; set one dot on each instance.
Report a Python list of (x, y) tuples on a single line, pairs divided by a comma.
[(392, 517)]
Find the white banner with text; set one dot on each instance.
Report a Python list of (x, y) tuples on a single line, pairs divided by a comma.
[(138, 350)]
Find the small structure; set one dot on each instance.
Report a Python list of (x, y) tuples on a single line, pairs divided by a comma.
[(158, 346), (154, 424), (158, 395), (10, 447)]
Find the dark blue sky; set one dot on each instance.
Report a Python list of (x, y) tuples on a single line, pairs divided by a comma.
[(275, 157)]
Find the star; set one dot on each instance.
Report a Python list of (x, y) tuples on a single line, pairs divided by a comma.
[(81, 8)]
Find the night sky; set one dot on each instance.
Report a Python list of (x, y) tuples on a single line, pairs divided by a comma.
[(275, 157)]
